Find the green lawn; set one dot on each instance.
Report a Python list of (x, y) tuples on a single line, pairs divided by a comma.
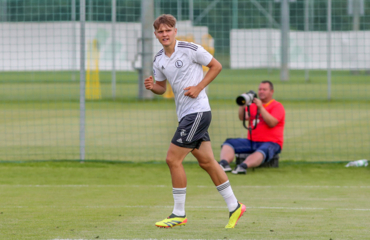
[(71, 200), (39, 116), (59, 86), (142, 131)]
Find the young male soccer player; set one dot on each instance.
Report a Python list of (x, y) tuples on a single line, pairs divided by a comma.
[(181, 64)]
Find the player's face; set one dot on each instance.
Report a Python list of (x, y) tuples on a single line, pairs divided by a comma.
[(264, 92), (166, 35)]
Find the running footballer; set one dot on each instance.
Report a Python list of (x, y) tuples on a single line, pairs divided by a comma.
[(180, 63)]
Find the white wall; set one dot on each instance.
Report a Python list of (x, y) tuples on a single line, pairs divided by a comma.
[(260, 48), (49, 46)]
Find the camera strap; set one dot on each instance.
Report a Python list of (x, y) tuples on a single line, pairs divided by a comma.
[(249, 128)]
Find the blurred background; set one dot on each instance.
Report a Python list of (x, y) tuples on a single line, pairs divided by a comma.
[(71, 75)]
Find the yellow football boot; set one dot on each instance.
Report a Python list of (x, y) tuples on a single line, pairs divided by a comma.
[(172, 221), (235, 215)]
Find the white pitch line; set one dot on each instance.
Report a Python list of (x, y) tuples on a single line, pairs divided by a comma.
[(165, 186), (302, 187), (137, 239), (134, 239), (36, 186), (353, 209), (200, 207), (283, 208), (212, 207)]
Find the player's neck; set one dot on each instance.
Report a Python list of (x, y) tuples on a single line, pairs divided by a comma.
[(169, 50)]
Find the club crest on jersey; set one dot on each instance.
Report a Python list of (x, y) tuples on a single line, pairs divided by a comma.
[(179, 64)]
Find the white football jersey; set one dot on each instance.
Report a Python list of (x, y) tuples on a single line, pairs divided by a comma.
[(184, 69)]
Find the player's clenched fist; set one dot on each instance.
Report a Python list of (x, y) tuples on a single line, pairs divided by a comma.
[(149, 83), (192, 91)]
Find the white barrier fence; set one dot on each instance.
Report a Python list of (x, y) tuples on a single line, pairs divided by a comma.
[(55, 46), (260, 48), (30, 46)]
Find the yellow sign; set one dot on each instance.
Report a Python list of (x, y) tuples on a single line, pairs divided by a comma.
[(92, 88)]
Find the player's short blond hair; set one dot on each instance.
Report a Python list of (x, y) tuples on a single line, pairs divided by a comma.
[(166, 19)]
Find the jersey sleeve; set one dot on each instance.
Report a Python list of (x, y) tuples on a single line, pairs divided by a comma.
[(202, 56), (278, 112), (158, 75)]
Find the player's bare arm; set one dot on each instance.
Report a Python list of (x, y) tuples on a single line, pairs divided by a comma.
[(267, 117), (158, 87), (215, 68)]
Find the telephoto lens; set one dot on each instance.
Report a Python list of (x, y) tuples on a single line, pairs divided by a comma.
[(246, 98)]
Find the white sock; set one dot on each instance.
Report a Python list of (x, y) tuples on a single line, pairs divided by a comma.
[(227, 193), (179, 195)]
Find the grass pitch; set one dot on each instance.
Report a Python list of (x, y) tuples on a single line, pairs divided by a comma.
[(141, 131), (39, 116), (70, 200)]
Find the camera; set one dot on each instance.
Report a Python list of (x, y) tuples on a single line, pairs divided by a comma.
[(246, 98)]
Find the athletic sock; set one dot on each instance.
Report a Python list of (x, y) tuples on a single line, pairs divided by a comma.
[(243, 165), (231, 213), (227, 193), (179, 195), (224, 162)]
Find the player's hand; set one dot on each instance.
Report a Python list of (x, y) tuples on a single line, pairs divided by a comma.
[(192, 91), (149, 83), (258, 102)]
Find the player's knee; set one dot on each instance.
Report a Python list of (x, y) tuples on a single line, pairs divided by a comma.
[(172, 161), (169, 161), (205, 165)]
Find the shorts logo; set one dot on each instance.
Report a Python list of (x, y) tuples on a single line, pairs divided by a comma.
[(183, 132), (179, 140), (179, 64), (153, 71)]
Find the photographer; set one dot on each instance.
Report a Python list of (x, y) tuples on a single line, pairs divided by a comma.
[(265, 139)]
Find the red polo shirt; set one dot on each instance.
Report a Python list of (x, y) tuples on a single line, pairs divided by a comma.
[(264, 133)]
